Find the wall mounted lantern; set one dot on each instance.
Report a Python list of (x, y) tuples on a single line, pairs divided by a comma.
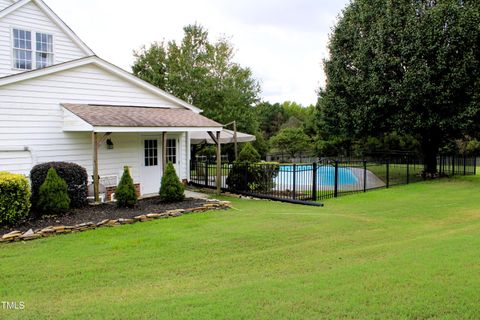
[(109, 144)]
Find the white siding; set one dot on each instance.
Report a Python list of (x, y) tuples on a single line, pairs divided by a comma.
[(16, 161), (31, 17), (31, 116), (5, 3)]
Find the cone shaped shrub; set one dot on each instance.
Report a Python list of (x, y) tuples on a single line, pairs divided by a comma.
[(74, 175), (249, 154), (125, 193), (53, 194), (172, 189)]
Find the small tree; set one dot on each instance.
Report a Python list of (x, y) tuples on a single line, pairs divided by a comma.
[(53, 197), (249, 154), (125, 193), (291, 141), (172, 189)]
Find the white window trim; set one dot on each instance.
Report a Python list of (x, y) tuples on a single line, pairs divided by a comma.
[(37, 51), (33, 39)]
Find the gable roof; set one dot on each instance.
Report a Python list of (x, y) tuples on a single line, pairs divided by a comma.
[(104, 65), (53, 16)]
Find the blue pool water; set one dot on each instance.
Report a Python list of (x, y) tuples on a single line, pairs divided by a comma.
[(303, 176)]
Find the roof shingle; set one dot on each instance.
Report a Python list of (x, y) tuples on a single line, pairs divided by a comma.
[(128, 116)]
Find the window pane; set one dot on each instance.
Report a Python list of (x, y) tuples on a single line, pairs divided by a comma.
[(151, 153), (22, 45), (44, 47)]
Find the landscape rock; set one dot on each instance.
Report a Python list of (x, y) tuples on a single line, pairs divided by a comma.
[(12, 235), (126, 221), (30, 237), (211, 204), (101, 223)]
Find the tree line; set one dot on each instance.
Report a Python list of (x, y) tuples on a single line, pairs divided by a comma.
[(402, 76)]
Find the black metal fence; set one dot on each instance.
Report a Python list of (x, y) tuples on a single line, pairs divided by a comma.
[(309, 183)]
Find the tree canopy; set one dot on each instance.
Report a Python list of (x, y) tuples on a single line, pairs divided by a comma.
[(411, 67), (291, 141), (204, 74)]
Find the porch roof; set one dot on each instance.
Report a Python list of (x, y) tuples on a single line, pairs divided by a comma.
[(111, 118)]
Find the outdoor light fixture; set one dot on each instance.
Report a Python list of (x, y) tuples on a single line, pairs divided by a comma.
[(109, 144)]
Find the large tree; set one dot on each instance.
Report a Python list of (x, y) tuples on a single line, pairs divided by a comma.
[(292, 141), (204, 74), (410, 66)]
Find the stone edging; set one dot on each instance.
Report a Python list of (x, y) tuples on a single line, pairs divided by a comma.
[(13, 236)]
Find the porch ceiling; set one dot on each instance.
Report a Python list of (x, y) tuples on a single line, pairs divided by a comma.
[(109, 118)]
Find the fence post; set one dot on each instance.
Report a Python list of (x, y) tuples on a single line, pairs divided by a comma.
[(335, 188), (245, 174), (294, 181), (206, 173), (387, 162), (464, 165), (314, 182), (408, 169), (440, 165), (475, 165), (364, 175), (453, 165)]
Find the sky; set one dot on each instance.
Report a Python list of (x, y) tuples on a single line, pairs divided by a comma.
[(283, 42)]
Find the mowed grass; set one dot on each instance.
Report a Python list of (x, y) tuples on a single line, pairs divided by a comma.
[(410, 252)]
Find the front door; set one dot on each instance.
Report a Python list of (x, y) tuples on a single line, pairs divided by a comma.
[(151, 165)]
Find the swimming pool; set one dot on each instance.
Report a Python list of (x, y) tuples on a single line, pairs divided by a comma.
[(303, 176)]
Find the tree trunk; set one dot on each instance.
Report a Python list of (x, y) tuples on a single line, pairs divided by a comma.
[(430, 148)]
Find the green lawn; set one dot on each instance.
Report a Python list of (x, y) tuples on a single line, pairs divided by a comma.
[(410, 252)]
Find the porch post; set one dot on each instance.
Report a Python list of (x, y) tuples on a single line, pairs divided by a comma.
[(219, 164), (164, 151), (235, 140), (95, 167)]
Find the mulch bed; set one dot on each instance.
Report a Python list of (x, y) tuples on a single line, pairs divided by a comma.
[(96, 213)]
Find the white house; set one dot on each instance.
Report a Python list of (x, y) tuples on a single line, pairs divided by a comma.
[(60, 102)]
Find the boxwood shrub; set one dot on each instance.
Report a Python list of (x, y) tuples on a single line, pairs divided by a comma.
[(14, 197), (74, 175)]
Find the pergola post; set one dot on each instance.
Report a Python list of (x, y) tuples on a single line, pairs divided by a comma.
[(235, 139), (164, 151), (96, 144), (216, 139), (219, 164), (95, 168)]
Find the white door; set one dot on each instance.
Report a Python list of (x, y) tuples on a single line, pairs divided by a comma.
[(151, 165), (172, 153)]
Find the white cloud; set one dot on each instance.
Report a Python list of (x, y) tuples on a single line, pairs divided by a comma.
[(283, 42)]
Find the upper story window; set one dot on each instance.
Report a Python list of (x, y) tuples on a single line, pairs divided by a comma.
[(44, 46), (22, 49), (27, 56)]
